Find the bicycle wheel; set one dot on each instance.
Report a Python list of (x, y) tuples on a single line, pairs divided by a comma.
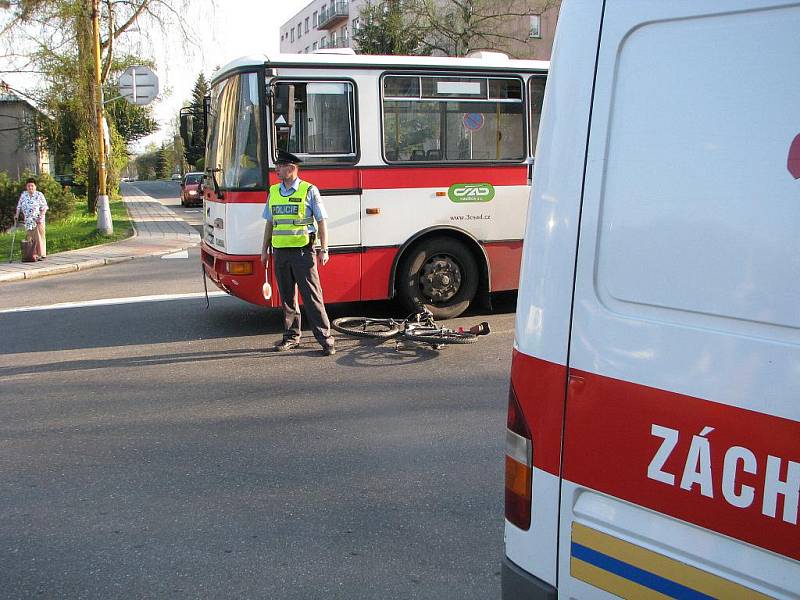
[(437, 336), (366, 327)]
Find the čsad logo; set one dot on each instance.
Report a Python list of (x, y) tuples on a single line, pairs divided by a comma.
[(471, 192)]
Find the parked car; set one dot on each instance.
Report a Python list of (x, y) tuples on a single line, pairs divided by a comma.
[(192, 189), (175, 177)]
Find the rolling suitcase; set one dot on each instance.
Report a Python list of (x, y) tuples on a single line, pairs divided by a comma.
[(28, 250)]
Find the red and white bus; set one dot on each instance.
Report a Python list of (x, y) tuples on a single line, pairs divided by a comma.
[(424, 165)]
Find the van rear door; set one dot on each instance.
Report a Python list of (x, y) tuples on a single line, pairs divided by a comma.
[(681, 468)]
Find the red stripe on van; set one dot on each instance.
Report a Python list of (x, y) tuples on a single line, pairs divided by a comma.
[(394, 178), (540, 388), (610, 444)]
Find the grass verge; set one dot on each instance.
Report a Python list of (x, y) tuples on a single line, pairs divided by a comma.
[(79, 230)]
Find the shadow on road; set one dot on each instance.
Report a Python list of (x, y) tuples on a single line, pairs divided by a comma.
[(188, 320)]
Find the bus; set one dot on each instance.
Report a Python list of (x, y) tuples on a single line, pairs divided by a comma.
[(424, 165)]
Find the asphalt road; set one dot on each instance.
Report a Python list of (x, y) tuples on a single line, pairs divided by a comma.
[(159, 449), (168, 193)]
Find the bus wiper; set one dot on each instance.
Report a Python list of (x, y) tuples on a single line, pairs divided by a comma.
[(217, 191)]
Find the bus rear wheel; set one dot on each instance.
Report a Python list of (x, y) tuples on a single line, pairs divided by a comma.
[(440, 274)]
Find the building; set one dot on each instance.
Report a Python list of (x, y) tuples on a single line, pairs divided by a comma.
[(325, 24), (322, 24), (18, 153)]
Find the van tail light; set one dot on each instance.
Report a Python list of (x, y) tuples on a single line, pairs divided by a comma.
[(519, 465)]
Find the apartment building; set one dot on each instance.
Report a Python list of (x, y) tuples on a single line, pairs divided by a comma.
[(320, 25), (326, 24)]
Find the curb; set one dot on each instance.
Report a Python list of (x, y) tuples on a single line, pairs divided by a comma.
[(156, 243), (69, 267)]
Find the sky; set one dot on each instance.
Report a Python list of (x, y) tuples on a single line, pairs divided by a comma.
[(230, 29)]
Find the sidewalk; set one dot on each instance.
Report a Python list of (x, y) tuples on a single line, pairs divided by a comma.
[(157, 230)]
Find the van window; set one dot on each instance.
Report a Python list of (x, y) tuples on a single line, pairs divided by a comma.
[(535, 99), (452, 119), (320, 122)]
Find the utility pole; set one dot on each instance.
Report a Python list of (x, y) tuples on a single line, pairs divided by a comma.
[(104, 223)]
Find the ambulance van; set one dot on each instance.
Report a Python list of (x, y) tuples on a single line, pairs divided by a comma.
[(653, 441)]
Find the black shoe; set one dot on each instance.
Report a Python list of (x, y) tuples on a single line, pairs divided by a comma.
[(285, 345), (329, 350)]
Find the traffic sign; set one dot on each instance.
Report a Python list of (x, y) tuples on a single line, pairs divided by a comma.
[(138, 85), (472, 121)]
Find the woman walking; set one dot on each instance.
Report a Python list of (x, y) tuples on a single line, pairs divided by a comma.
[(33, 205)]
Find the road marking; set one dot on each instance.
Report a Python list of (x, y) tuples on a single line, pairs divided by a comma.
[(181, 254), (112, 301)]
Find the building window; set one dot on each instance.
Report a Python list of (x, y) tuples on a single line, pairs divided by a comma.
[(536, 27), (322, 42), (291, 31), (299, 30), (314, 47), (306, 24), (306, 50), (344, 35), (355, 25), (314, 19)]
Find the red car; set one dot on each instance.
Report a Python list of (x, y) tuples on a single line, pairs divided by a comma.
[(192, 189)]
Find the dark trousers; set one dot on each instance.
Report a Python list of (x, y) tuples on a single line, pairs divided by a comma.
[(296, 269)]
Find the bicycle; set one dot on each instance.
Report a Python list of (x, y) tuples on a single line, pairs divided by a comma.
[(417, 327)]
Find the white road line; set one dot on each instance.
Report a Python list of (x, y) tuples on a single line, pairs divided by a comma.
[(112, 301)]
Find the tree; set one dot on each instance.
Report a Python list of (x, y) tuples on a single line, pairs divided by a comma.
[(163, 163), (61, 34), (385, 29), (196, 151), (458, 27)]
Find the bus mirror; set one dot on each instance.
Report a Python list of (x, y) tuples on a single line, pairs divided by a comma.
[(187, 129), (283, 106)]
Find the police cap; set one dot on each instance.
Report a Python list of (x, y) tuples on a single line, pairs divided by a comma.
[(287, 158)]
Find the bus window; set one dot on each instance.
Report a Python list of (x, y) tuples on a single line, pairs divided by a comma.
[(322, 128), (234, 144), (452, 119), (536, 96)]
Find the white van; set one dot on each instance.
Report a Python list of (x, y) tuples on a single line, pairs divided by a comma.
[(653, 442)]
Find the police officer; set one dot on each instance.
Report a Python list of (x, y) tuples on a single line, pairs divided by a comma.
[(292, 208)]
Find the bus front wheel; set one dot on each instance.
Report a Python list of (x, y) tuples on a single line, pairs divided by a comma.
[(440, 274)]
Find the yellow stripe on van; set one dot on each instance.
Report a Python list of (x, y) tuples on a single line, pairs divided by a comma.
[(611, 556)]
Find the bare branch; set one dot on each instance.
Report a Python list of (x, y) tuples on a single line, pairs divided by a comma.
[(109, 44)]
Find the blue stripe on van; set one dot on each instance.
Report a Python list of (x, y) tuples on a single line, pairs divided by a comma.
[(635, 574)]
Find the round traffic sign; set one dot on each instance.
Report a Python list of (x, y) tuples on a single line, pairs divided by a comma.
[(472, 121)]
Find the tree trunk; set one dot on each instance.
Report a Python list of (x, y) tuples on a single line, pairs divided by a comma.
[(88, 126), (92, 187)]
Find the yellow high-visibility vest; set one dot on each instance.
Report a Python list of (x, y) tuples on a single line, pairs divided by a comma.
[(289, 222)]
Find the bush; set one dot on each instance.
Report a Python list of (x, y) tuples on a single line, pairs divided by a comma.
[(60, 200)]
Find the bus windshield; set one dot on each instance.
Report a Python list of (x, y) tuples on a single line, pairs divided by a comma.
[(234, 140)]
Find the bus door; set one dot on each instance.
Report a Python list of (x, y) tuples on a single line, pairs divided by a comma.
[(315, 119)]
